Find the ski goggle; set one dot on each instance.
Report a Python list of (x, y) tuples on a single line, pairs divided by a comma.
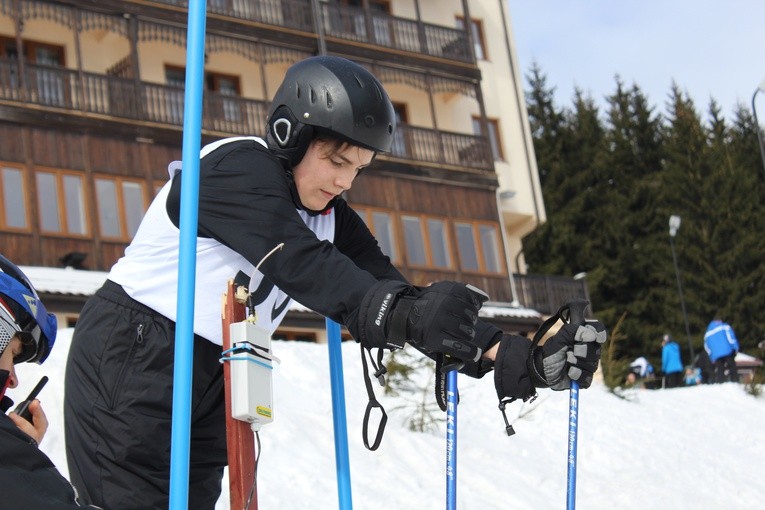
[(28, 331)]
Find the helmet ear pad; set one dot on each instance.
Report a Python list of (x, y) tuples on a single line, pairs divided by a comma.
[(287, 137)]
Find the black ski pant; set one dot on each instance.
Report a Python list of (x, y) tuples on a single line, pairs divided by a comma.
[(726, 363), (118, 407), (673, 380)]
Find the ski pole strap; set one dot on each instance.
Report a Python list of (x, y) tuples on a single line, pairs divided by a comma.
[(379, 374)]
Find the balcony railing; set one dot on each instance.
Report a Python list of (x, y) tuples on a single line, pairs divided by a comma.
[(128, 99), (443, 147), (546, 293), (349, 23)]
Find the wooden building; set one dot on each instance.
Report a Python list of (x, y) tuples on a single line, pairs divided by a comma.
[(91, 111)]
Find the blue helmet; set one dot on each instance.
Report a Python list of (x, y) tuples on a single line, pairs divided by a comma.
[(23, 314)]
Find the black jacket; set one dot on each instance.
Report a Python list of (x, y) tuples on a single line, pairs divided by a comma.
[(28, 478)]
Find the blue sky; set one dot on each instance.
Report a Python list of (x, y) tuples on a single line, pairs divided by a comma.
[(710, 48)]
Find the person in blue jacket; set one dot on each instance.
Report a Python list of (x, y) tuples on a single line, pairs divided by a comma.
[(721, 344), (671, 364), (28, 478)]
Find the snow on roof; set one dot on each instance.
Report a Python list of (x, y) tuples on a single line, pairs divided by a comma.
[(56, 280), (495, 309), (79, 282)]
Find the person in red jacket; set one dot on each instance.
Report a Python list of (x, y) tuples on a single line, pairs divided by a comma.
[(28, 478)]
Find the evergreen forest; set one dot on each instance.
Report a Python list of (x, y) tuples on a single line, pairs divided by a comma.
[(611, 180)]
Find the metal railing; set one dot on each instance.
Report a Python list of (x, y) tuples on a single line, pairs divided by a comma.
[(546, 293), (349, 23), (130, 99)]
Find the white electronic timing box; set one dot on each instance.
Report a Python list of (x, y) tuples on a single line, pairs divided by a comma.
[(252, 364)]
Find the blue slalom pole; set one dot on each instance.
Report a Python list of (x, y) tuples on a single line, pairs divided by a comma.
[(184, 332), (573, 422), (342, 462), (451, 440)]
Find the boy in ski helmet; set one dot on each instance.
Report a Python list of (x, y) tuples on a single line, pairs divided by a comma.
[(28, 478), (327, 121)]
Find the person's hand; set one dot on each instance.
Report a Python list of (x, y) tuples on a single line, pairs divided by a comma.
[(572, 354), (36, 430), (440, 318)]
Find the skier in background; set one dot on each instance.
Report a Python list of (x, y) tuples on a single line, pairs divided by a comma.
[(721, 344), (671, 363), (328, 120)]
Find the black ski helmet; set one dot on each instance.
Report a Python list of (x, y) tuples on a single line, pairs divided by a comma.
[(22, 313), (329, 95)]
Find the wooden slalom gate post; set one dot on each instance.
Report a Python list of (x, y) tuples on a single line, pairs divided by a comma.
[(240, 439)]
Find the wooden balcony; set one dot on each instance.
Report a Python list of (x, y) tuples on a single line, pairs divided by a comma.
[(97, 95), (546, 293), (349, 23)]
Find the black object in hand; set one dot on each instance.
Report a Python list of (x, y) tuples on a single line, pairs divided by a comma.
[(23, 408)]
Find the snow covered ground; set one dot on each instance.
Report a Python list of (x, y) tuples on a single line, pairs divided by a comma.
[(689, 448)]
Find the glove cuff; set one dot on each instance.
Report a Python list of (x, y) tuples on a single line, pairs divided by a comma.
[(512, 377), (375, 314), (486, 336)]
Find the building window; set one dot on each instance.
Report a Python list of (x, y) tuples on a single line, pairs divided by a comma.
[(439, 243), (427, 242), (414, 241), (476, 32), (479, 248), (493, 127), (61, 199), (13, 214), (381, 224), (121, 205)]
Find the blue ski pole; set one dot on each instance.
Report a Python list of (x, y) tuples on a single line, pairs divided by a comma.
[(576, 316), (451, 440), (342, 461)]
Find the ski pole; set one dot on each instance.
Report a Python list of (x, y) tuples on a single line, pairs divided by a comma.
[(342, 461), (576, 316), (451, 440)]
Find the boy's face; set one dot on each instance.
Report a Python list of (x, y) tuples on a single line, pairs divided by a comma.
[(6, 360), (325, 173)]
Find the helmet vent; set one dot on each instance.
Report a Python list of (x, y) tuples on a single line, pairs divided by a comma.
[(330, 101), (358, 80), (312, 98)]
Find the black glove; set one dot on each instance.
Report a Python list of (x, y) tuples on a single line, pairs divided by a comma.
[(435, 319), (571, 354)]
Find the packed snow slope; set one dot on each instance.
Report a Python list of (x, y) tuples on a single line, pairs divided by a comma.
[(689, 448)]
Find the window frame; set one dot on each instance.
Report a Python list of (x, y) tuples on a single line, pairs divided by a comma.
[(59, 175), (477, 34), (495, 144), (479, 249), (122, 216), (24, 193), (425, 235), (366, 213)]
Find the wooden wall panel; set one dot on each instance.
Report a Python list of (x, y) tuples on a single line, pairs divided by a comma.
[(18, 248), (116, 157), (111, 253), (158, 156), (11, 143), (409, 195), (57, 149), (53, 248)]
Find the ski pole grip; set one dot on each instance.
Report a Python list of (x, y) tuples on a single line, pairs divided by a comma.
[(576, 310)]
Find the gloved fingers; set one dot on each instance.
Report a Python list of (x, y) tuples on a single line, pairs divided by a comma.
[(472, 296), (478, 294), (583, 377), (593, 331)]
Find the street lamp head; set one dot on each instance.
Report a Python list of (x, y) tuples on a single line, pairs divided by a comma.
[(674, 224), (762, 86), (579, 276)]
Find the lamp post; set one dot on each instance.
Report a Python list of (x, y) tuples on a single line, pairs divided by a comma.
[(674, 225), (757, 123)]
